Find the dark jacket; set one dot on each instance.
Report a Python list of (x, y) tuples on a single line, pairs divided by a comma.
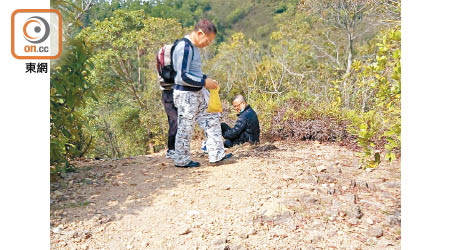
[(246, 128)]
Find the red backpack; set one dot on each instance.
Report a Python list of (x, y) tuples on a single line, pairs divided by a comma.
[(164, 64)]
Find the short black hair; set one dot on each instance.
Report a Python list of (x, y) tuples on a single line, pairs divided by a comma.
[(206, 26)]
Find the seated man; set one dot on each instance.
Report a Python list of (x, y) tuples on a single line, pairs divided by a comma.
[(246, 128)]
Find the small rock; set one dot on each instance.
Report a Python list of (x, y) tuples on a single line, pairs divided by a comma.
[(332, 212), (308, 199), (356, 212), (88, 181), (326, 200), (321, 168), (353, 221), (272, 209), (276, 194), (355, 164), (235, 247), (315, 236), (337, 203), (184, 230), (350, 198), (85, 247), (56, 230), (316, 223), (105, 219), (287, 177), (73, 234), (252, 231), (129, 246), (197, 224), (377, 205), (221, 247), (331, 233), (334, 170), (393, 220), (371, 186), (59, 193), (387, 195), (266, 147), (87, 234), (145, 244), (220, 241), (326, 178), (392, 184), (375, 231), (244, 235), (369, 221)]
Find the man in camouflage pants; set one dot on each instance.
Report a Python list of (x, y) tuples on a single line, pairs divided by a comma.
[(191, 109), (191, 100)]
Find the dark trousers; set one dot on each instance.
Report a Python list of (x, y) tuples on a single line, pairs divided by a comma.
[(172, 117), (227, 143)]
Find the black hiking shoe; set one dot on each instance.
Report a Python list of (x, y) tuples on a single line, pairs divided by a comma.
[(191, 164), (221, 161)]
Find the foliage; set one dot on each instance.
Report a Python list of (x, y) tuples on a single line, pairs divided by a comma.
[(326, 72), (237, 14), (124, 45), (69, 89), (234, 66), (382, 75)]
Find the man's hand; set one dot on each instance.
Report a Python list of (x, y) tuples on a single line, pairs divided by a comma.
[(211, 84)]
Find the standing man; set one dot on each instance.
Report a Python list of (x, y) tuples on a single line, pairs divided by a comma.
[(191, 102), (246, 128), (172, 115)]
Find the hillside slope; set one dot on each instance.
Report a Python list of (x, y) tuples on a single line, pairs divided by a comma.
[(256, 19)]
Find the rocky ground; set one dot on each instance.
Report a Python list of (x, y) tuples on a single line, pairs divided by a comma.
[(283, 195)]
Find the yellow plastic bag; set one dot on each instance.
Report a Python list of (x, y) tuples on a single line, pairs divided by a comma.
[(214, 105)]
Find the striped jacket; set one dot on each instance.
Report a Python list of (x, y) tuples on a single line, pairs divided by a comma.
[(189, 69)]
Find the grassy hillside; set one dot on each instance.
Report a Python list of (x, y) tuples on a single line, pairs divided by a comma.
[(254, 18)]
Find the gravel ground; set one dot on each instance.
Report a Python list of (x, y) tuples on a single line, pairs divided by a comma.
[(283, 195)]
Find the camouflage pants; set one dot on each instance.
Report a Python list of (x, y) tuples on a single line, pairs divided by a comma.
[(192, 107)]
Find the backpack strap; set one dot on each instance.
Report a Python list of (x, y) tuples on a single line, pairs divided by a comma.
[(175, 43)]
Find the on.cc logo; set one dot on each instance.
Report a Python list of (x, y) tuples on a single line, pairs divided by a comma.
[(36, 34), (37, 24)]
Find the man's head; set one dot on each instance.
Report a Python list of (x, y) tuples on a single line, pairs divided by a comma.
[(204, 33), (239, 103)]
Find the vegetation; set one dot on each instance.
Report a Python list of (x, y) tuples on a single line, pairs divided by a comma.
[(324, 70)]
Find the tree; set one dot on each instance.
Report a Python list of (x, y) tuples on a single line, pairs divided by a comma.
[(343, 20), (68, 92), (68, 88), (234, 66), (123, 73)]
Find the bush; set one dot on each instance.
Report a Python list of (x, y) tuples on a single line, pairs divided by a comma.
[(300, 120)]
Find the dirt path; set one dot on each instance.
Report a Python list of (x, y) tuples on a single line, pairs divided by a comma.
[(282, 196)]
